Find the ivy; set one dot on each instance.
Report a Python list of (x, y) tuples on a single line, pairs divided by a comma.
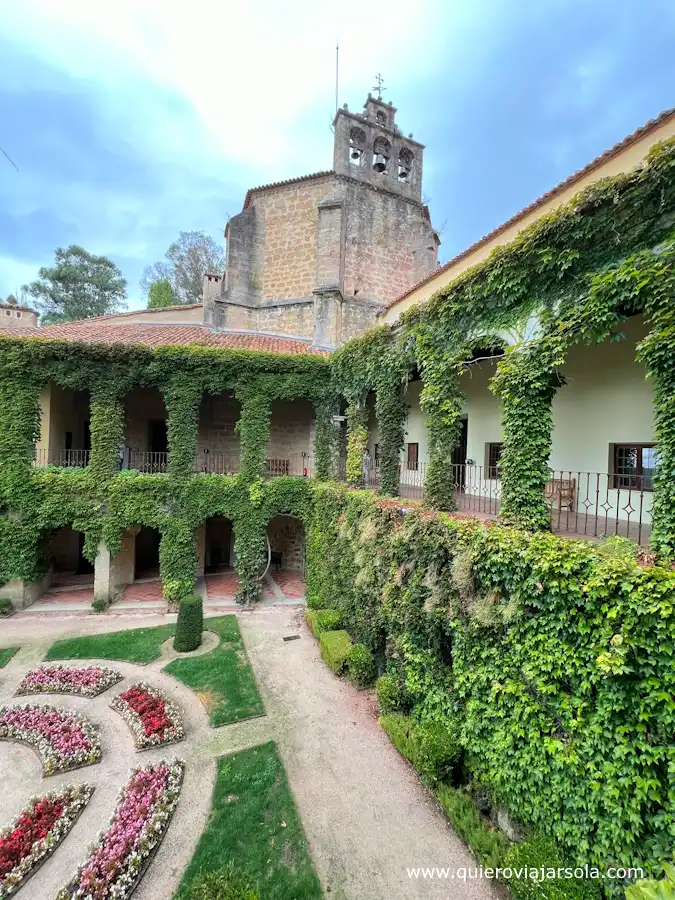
[(357, 442)]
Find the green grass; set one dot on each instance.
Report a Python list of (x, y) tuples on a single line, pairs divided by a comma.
[(254, 825), (6, 653), (222, 679), (138, 645)]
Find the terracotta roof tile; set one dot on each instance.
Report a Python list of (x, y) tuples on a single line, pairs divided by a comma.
[(637, 135), (276, 184), (96, 331)]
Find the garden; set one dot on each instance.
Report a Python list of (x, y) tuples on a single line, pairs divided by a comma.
[(137, 700)]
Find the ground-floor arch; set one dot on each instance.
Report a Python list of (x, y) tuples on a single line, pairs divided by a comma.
[(286, 535)]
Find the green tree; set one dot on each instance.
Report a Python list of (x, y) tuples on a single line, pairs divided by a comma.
[(161, 293), (78, 286), (188, 258)]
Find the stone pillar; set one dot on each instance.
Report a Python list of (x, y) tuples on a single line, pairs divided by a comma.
[(24, 593), (330, 257), (357, 441)]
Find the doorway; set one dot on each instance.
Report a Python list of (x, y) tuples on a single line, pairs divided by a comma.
[(146, 563), (459, 456)]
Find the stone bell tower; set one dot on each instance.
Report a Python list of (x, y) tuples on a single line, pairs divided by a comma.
[(369, 147), (316, 257)]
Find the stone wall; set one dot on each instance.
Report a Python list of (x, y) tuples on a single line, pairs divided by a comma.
[(357, 317), (291, 432), (287, 536), (218, 417), (141, 407)]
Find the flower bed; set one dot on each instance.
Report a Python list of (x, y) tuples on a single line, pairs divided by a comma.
[(62, 738), (84, 682), (36, 832), (118, 860), (152, 718)]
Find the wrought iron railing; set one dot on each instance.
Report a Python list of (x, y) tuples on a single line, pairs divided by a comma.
[(215, 463), (149, 462), (68, 459), (587, 504)]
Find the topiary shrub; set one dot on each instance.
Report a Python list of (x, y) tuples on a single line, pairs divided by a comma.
[(489, 845), (189, 625), (391, 694), (335, 645), (224, 884), (435, 751), (320, 620), (538, 852), (6, 607), (361, 666)]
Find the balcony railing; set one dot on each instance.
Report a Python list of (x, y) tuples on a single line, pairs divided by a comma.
[(586, 504), (298, 464), (67, 459), (214, 463), (149, 462)]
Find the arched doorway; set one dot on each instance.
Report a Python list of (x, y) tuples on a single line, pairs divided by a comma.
[(146, 558), (286, 535), (65, 554), (218, 545)]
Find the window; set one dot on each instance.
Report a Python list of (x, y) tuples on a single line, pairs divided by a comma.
[(493, 456), (381, 117), (413, 456), (633, 466)]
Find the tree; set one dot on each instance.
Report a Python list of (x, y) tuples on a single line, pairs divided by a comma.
[(161, 294), (78, 286), (189, 257)]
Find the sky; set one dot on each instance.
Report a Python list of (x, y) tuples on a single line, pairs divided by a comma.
[(133, 121)]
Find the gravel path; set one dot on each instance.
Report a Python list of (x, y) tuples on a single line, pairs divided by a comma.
[(366, 815)]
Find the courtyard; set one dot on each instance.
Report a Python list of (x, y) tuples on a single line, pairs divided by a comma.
[(348, 820)]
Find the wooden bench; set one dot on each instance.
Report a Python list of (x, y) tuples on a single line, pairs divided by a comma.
[(278, 466), (560, 493)]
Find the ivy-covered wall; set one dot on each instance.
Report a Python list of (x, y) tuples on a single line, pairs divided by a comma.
[(101, 501), (572, 276), (551, 658)]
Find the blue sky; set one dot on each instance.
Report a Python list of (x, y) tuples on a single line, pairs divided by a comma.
[(132, 121)]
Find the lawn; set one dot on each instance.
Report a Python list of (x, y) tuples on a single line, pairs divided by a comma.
[(138, 645), (255, 827), (222, 679), (6, 653)]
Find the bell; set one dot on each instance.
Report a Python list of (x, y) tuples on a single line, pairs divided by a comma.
[(403, 173), (356, 153), (380, 163)]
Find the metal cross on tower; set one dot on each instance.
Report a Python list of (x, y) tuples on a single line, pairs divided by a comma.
[(379, 86)]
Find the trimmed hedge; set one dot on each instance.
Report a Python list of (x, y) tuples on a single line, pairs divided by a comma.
[(489, 845), (361, 666), (391, 694), (432, 748), (540, 852), (320, 620), (189, 625), (335, 647)]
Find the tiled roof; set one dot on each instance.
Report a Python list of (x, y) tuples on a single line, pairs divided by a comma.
[(276, 184), (637, 135), (97, 331)]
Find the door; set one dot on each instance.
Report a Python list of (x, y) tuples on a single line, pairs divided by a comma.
[(459, 457), (158, 437)]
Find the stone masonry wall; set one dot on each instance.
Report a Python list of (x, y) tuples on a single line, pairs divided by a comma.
[(390, 245), (290, 432), (141, 406), (218, 417), (287, 536)]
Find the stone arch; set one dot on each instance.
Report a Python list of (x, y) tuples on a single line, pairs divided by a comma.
[(406, 159), (381, 155), (357, 146)]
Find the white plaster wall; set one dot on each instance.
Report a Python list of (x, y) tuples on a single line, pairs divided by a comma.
[(606, 400)]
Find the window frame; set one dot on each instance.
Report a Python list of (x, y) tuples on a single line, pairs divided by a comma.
[(492, 471), (615, 475)]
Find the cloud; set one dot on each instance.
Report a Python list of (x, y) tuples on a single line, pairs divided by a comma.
[(132, 125)]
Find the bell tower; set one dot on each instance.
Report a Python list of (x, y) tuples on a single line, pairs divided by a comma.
[(370, 147)]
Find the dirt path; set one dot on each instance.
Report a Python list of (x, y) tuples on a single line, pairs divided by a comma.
[(366, 815)]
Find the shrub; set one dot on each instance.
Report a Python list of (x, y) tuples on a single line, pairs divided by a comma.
[(436, 750), (488, 844), (224, 884), (335, 646), (5, 606), (391, 694), (541, 851), (361, 666), (189, 625), (400, 728), (99, 604), (320, 620), (654, 890)]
